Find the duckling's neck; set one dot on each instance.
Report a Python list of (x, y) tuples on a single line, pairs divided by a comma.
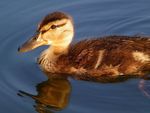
[(58, 50), (53, 52), (48, 58)]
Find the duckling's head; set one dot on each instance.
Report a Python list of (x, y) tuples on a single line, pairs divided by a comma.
[(56, 29)]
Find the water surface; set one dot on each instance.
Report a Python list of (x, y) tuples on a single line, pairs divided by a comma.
[(21, 76)]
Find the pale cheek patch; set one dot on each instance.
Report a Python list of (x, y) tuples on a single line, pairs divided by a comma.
[(140, 56)]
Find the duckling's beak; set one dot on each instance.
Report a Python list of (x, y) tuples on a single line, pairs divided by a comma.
[(32, 43)]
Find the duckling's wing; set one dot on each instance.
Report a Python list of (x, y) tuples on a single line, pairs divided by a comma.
[(84, 54), (112, 50)]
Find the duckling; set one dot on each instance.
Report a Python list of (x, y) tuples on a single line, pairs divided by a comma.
[(95, 58)]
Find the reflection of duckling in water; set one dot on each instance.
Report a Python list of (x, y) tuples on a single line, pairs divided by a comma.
[(53, 94), (93, 59)]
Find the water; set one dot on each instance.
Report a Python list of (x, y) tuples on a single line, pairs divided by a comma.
[(20, 74)]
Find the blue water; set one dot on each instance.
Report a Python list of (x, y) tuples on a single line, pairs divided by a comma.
[(92, 18)]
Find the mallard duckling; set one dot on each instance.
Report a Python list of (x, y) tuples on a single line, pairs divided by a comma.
[(109, 56)]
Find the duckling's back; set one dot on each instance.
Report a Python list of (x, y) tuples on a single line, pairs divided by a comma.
[(112, 56)]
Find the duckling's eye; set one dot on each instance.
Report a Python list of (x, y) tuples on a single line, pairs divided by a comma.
[(53, 27)]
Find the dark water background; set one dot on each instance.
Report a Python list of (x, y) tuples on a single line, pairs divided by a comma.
[(18, 21)]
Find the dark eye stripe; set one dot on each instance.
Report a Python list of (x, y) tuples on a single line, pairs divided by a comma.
[(53, 27), (61, 25), (44, 31)]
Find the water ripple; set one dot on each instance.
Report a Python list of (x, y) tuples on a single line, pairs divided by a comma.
[(19, 20)]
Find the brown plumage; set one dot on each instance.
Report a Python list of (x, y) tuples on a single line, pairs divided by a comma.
[(116, 49), (105, 59), (117, 58)]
